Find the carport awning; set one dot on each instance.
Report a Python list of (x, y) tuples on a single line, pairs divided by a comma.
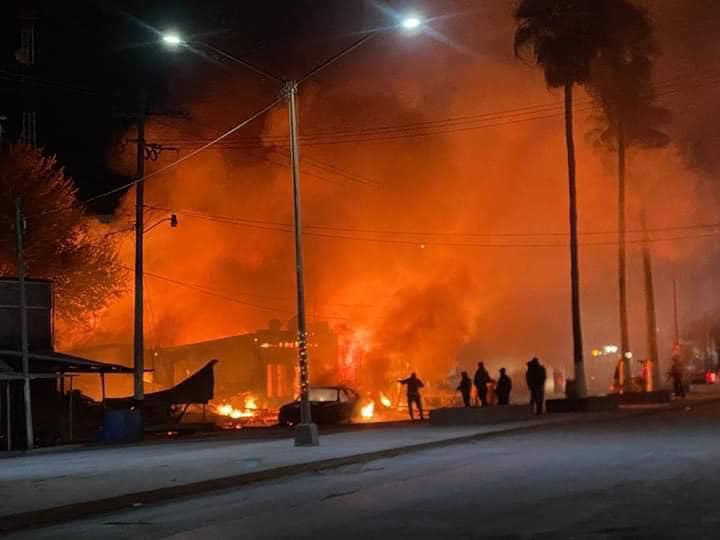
[(54, 363)]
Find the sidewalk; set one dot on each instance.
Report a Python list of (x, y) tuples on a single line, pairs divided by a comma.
[(43, 488)]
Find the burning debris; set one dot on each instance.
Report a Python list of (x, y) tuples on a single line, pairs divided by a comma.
[(246, 413), (368, 411)]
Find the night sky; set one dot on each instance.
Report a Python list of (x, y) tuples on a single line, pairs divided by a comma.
[(93, 57)]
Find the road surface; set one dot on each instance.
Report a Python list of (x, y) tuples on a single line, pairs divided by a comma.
[(646, 477)]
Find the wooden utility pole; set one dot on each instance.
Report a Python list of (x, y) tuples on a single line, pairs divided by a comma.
[(24, 344), (138, 328)]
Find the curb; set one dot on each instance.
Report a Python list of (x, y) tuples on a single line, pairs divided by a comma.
[(70, 512), (243, 435)]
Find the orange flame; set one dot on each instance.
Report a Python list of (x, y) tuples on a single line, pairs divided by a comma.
[(368, 411), (231, 412)]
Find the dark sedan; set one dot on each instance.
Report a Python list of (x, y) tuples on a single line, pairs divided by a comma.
[(328, 405)]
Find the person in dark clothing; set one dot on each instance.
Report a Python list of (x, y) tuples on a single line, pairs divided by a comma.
[(465, 387), (677, 376), (535, 377), (482, 377), (503, 387), (413, 394)]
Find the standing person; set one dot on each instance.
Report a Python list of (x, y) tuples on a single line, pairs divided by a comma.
[(503, 387), (465, 387), (676, 374), (482, 377), (535, 378), (413, 394)]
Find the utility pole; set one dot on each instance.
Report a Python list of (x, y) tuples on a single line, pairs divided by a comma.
[(26, 56), (25, 347), (625, 354), (650, 317), (676, 334), (138, 334), (306, 433)]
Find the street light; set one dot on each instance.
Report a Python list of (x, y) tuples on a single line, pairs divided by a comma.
[(173, 39), (411, 22), (306, 433)]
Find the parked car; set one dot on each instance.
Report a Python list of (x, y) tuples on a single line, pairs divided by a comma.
[(328, 405)]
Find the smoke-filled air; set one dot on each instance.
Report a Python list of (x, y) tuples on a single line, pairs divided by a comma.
[(434, 203)]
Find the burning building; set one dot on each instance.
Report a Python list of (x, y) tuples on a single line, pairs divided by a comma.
[(263, 363)]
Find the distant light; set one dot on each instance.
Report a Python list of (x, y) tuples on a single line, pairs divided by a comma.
[(172, 38), (411, 22), (610, 349), (628, 355)]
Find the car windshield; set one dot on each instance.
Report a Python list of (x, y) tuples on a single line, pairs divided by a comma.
[(323, 394)]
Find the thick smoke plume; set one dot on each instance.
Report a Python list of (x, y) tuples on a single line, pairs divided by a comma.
[(477, 209)]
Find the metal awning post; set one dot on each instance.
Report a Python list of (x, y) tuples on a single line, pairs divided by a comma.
[(102, 387), (70, 415), (8, 416)]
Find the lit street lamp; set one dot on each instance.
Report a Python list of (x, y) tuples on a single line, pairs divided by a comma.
[(306, 433), (411, 22), (172, 39)]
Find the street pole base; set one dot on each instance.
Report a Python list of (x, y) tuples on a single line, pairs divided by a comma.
[(306, 435)]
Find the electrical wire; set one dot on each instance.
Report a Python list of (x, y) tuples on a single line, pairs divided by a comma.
[(464, 122), (224, 296), (391, 236)]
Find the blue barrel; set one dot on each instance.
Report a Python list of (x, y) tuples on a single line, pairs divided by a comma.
[(122, 426)]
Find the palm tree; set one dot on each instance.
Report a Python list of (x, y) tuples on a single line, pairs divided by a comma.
[(621, 81), (564, 37)]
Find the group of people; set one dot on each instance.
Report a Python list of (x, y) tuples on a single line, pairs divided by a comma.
[(535, 377)]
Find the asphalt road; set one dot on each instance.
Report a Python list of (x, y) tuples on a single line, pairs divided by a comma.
[(647, 477)]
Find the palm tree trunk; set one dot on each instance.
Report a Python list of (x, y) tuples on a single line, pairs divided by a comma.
[(580, 383), (622, 282), (650, 311)]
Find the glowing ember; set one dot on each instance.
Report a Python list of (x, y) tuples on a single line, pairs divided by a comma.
[(368, 410), (250, 403), (225, 409), (385, 400), (228, 410)]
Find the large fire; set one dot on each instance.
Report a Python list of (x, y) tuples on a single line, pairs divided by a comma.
[(368, 411), (228, 410), (248, 410), (425, 269)]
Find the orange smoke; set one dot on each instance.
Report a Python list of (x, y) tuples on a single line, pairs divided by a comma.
[(464, 258)]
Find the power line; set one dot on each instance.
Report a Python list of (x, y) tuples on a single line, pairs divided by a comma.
[(224, 296), (346, 233), (461, 123)]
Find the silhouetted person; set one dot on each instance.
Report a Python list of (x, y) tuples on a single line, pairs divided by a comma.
[(535, 378), (677, 376), (482, 377), (413, 394), (465, 387), (503, 387)]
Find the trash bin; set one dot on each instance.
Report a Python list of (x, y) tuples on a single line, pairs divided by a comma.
[(122, 425), (570, 388)]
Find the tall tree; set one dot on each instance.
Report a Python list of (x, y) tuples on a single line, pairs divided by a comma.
[(61, 243), (621, 81), (564, 37)]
